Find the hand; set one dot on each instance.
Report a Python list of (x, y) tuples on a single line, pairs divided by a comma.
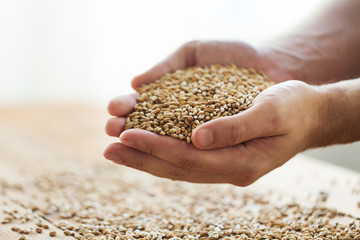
[(246, 146), (190, 54), (198, 53)]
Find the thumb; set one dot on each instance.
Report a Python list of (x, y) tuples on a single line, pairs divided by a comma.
[(257, 122)]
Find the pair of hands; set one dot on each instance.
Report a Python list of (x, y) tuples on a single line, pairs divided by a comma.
[(238, 149)]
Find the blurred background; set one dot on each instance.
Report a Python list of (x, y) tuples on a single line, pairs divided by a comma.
[(88, 51)]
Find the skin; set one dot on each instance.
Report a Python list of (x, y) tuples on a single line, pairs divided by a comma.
[(285, 119), (323, 49)]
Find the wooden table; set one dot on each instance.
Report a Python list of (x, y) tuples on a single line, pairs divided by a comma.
[(36, 138)]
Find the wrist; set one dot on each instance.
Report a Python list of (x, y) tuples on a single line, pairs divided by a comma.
[(335, 123), (313, 124)]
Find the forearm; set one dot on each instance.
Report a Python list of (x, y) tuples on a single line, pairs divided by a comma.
[(326, 48), (339, 119)]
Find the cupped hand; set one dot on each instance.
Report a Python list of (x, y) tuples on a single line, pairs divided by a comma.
[(201, 53), (195, 53), (242, 148)]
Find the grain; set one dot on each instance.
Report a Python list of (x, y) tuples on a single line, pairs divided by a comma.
[(15, 229), (113, 206), (179, 102), (52, 234), (24, 231)]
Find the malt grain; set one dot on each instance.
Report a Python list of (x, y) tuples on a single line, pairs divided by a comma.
[(179, 102)]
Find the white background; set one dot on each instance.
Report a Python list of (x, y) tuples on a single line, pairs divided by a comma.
[(87, 50), (72, 50)]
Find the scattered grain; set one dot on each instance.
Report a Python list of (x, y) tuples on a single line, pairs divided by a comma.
[(140, 208)]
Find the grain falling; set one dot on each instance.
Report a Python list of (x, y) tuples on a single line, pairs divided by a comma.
[(179, 102)]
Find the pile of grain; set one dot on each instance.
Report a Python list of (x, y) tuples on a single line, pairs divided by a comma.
[(178, 102)]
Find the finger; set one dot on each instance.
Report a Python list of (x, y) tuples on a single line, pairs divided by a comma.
[(260, 121), (181, 58), (182, 154), (130, 157), (122, 105), (115, 126)]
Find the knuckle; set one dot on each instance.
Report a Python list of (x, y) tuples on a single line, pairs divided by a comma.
[(275, 116), (236, 131), (276, 122), (184, 162), (245, 180), (167, 66), (270, 106), (138, 164), (149, 149), (190, 45), (190, 50), (176, 173)]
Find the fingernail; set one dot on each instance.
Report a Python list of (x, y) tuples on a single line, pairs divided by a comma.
[(205, 137)]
